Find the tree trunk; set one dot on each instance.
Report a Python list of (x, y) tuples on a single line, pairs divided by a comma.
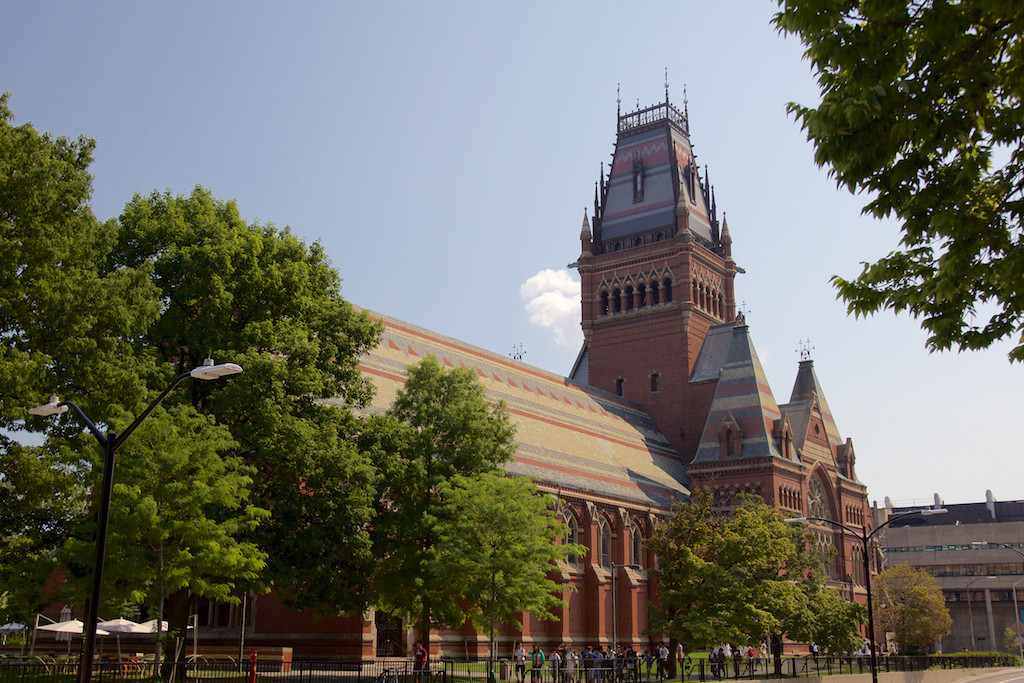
[(673, 648), (173, 669), (776, 646)]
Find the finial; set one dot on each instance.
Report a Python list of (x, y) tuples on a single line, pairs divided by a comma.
[(804, 348), (517, 352), (585, 228), (686, 107), (618, 99), (666, 85)]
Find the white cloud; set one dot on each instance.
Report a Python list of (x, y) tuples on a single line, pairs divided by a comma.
[(553, 300)]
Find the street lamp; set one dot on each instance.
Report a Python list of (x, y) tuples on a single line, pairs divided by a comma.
[(111, 442), (1016, 610), (615, 568), (865, 538), (970, 612)]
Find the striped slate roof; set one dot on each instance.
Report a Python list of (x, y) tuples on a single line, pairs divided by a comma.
[(742, 394), (665, 153), (807, 389), (569, 436)]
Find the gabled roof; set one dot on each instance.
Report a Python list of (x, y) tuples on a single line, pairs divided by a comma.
[(743, 395), (569, 436)]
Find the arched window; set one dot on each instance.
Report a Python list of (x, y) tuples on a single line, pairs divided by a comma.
[(817, 500), (572, 534), (629, 298), (654, 292), (668, 290), (616, 301), (604, 303), (636, 555), (642, 290), (604, 543)]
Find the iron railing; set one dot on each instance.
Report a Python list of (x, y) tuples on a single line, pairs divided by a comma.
[(43, 669)]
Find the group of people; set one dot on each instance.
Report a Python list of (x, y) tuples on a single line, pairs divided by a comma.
[(726, 654), (592, 665)]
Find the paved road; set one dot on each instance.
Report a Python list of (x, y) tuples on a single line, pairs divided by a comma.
[(1001, 676)]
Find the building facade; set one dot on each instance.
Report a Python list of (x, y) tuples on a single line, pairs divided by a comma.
[(667, 394), (975, 551)]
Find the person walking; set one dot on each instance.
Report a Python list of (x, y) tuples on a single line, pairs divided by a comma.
[(519, 655), (537, 659), (663, 661)]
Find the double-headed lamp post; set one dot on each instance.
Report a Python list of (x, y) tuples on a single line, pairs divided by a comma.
[(1016, 610), (615, 570), (865, 538), (111, 442)]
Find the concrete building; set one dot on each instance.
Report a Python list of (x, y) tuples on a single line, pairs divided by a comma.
[(976, 553)]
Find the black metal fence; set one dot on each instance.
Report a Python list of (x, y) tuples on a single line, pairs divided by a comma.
[(199, 670)]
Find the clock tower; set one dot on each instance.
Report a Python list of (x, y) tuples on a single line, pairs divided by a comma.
[(657, 273)]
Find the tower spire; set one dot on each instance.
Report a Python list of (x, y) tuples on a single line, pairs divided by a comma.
[(686, 109)]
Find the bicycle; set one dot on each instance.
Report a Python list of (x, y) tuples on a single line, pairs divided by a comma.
[(387, 676)]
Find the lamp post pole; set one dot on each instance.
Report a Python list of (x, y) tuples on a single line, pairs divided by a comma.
[(865, 538), (111, 443), (970, 610), (1016, 610)]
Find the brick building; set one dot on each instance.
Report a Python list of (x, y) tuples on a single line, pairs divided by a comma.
[(667, 393)]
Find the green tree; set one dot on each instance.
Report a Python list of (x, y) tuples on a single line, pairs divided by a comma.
[(731, 578), (440, 426), (920, 109), (909, 603), (41, 499), (497, 542), (180, 516), (64, 328), (1011, 642), (262, 298)]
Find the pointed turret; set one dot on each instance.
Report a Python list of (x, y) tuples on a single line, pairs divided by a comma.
[(585, 234), (808, 395)]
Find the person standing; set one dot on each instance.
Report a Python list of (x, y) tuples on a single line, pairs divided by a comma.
[(537, 660), (419, 666), (519, 654)]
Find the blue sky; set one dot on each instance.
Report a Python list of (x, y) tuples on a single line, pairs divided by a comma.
[(443, 154)]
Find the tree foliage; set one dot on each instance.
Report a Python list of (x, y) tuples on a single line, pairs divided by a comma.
[(729, 579), (921, 109), (180, 513), (496, 542), (262, 298), (909, 603), (440, 427), (64, 328), (107, 314)]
